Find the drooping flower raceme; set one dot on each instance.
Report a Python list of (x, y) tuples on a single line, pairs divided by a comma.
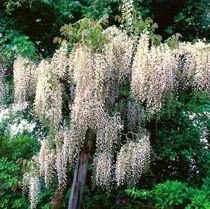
[(45, 161), (3, 91), (25, 77), (127, 14), (60, 62), (132, 159), (196, 65), (48, 100), (153, 74)]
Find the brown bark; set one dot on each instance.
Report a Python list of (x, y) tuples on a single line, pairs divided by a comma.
[(57, 200), (80, 172), (59, 195)]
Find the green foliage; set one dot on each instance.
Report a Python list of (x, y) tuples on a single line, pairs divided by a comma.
[(199, 200), (14, 43), (97, 200), (14, 155), (145, 8), (149, 25), (179, 152), (98, 8), (19, 147), (85, 31), (12, 5), (192, 20), (10, 189), (39, 21), (45, 197), (171, 195), (186, 17)]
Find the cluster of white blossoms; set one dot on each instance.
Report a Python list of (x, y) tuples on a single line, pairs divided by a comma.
[(14, 123), (25, 76), (3, 90), (34, 190), (3, 86), (127, 13), (103, 165), (48, 99), (20, 127), (119, 53), (93, 80), (46, 159), (132, 160), (11, 112), (159, 71), (196, 65), (153, 74), (60, 62), (107, 140)]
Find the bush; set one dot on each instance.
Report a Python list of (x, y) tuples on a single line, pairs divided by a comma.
[(170, 194), (174, 194)]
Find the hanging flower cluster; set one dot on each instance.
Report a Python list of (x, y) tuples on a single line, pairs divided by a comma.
[(132, 159), (127, 14), (3, 85), (107, 140), (158, 71), (45, 161), (25, 77), (31, 185), (34, 190), (60, 61), (153, 74), (103, 165), (119, 52), (195, 60), (48, 99), (3, 91)]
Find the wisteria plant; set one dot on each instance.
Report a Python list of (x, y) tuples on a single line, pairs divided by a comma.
[(77, 96)]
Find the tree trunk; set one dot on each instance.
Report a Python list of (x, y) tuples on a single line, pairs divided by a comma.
[(59, 195), (57, 200), (80, 172)]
